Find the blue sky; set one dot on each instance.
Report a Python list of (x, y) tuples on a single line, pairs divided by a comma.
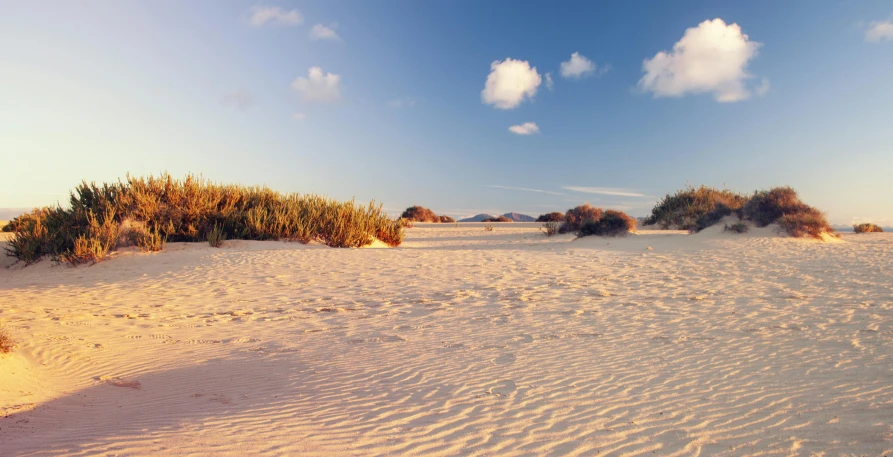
[(390, 100)]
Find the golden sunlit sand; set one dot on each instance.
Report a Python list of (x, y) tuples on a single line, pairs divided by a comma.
[(459, 342)]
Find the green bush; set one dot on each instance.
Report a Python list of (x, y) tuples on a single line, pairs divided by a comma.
[(695, 208), (866, 228), (610, 223), (188, 210)]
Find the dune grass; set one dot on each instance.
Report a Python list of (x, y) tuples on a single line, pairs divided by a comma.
[(867, 227), (168, 209)]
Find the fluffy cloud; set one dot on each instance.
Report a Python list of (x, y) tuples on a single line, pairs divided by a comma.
[(577, 67), (711, 57), (879, 31), (605, 191), (263, 15), (240, 99), (549, 82), (318, 86), (321, 32), (526, 128), (509, 83), (405, 102)]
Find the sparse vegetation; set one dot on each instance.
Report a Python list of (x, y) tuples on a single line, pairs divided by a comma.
[(738, 227), (6, 343), (167, 209), (216, 237), (576, 217), (7, 227), (782, 205), (550, 228), (422, 214), (695, 208), (497, 219), (609, 223), (867, 228), (488, 228), (551, 217), (447, 220)]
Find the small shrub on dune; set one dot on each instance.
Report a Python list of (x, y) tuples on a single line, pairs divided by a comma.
[(550, 228), (488, 228), (447, 220), (8, 227), (551, 217), (610, 223), (497, 219), (420, 214), (781, 205), (867, 228), (576, 217), (6, 343), (694, 208), (738, 227), (806, 222), (216, 237)]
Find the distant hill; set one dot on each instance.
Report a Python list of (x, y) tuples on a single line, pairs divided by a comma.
[(478, 218), (517, 217)]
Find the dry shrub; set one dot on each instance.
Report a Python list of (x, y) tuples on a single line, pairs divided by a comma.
[(610, 223), (447, 219), (551, 217), (6, 343), (806, 222), (216, 237), (420, 214), (782, 205), (738, 227), (497, 219), (550, 228), (576, 217), (488, 228), (695, 208), (867, 228)]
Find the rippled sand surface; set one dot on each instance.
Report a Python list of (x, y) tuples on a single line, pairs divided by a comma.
[(461, 342)]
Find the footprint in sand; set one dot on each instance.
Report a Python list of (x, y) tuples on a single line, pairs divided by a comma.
[(504, 388), (505, 359)]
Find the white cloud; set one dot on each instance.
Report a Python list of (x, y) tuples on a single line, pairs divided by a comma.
[(577, 67), (318, 86), (524, 189), (549, 82), (263, 15), (509, 83), (879, 31), (526, 128), (763, 87), (605, 191), (299, 116), (711, 57), (404, 102), (321, 32), (240, 99)]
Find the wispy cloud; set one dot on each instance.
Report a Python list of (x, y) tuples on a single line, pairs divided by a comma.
[(321, 32), (526, 128), (605, 191), (263, 15), (525, 189), (879, 31)]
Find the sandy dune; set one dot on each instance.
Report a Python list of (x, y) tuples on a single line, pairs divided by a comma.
[(461, 342)]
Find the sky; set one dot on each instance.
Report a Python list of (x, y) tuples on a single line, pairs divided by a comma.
[(464, 107)]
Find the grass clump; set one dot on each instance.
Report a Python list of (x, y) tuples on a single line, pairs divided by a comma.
[(6, 343), (550, 228), (867, 228), (497, 219), (216, 237), (695, 208), (551, 217), (609, 223), (738, 227), (154, 210)]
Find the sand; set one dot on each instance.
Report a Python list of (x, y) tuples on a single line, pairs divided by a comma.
[(460, 342)]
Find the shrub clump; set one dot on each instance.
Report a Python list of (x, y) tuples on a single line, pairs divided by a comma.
[(867, 228), (151, 211), (497, 219), (695, 208), (576, 217), (610, 223), (6, 343), (550, 228), (422, 214), (216, 237), (551, 217), (781, 205), (447, 220)]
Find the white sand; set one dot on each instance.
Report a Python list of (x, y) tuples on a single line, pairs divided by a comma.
[(460, 342)]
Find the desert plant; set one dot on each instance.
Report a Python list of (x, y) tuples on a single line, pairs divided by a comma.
[(610, 223), (806, 222), (420, 214), (694, 208), (866, 228), (781, 205), (6, 343), (551, 217), (738, 227), (447, 219), (550, 228), (497, 219), (488, 228), (576, 217), (216, 237)]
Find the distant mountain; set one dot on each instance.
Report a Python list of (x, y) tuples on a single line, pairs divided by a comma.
[(519, 217), (478, 218)]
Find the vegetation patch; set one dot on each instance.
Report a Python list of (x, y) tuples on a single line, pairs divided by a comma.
[(610, 223), (867, 228), (551, 217), (422, 214), (575, 218), (497, 219), (695, 208), (154, 210), (550, 228), (6, 343)]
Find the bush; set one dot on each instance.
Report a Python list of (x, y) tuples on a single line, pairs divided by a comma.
[(610, 223), (576, 217), (782, 205), (420, 214), (550, 228), (188, 210), (738, 227), (806, 222), (216, 237), (866, 228), (695, 208), (447, 220), (6, 343), (8, 227), (497, 219), (551, 217), (488, 228)]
